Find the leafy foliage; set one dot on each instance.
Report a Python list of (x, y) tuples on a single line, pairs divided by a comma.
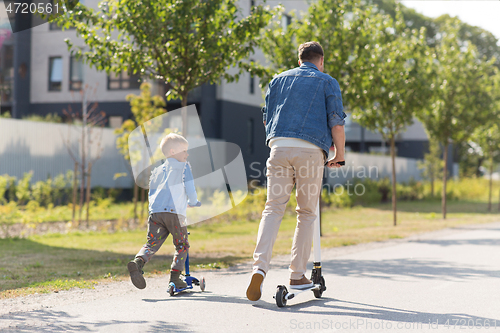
[(185, 43), (144, 107)]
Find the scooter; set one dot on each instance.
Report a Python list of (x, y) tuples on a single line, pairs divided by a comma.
[(172, 289), (282, 293)]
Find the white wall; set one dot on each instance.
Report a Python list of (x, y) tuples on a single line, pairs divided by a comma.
[(374, 167), (42, 147)]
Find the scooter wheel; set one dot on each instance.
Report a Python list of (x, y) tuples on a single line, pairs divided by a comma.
[(202, 284), (318, 293), (171, 290), (281, 293)]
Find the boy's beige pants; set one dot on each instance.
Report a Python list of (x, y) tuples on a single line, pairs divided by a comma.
[(286, 167)]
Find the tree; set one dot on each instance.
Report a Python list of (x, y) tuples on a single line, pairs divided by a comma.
[(344, 28), (461, 98), (375, 59), (144, 107), (398, 85), (91, 119), (488, 136), (485, 42), (432, 165), (183, 43)]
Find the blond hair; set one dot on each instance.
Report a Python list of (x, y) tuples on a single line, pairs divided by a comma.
[(170, 141)]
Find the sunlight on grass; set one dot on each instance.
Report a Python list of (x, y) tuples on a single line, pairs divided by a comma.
[(48, 263)]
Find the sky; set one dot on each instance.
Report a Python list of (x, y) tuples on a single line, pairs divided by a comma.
[(481, 13)]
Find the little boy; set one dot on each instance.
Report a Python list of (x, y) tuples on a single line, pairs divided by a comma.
[(171, 189)]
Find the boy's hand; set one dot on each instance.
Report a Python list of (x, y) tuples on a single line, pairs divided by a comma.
[(198, 204)]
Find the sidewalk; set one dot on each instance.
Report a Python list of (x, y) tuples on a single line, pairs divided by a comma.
[(435, 282)]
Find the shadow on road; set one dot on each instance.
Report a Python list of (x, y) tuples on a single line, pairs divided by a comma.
[(361, 314), (200, 296), (54, 321), (457, 242), (395, 269)]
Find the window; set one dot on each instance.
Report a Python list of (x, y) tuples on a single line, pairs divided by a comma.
[(6, 72), (123, 81), (252, 83), (285, 21), (250, 137), (75, 74), (55, 73)]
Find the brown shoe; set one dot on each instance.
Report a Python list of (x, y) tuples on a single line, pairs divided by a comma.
[(303, 283), (136, 272), (254, 290)]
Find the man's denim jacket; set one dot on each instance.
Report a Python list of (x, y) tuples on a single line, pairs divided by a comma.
[(171, 185), (303, 103)]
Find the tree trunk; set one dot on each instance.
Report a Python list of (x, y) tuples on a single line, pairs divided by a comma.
[(82, 194), (136, 193), (184, 102), (432, 187), (393, 160), (74, 193), (88, 193), (491, 184), (445, 173)]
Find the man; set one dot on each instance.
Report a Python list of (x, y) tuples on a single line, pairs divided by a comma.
[(302, 115)]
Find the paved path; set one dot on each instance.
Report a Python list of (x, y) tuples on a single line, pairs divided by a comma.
[(438, 282)]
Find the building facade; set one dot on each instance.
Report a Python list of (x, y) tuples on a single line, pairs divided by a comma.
[(39, 76)]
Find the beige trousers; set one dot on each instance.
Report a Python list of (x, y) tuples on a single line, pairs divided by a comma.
[(286, 167)]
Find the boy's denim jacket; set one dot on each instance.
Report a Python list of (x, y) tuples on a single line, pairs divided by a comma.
[(303, 103), (171, 187)]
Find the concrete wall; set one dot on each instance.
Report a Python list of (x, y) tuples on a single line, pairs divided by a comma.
[(376, 167), (43, 148)]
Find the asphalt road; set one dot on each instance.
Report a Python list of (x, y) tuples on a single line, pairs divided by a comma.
[(438, 282)]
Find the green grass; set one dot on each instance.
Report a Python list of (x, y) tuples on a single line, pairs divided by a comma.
[(46, 263)]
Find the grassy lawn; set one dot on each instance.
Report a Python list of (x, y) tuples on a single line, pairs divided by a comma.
[(55, 262)]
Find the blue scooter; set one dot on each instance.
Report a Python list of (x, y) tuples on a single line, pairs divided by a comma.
[(172, 289)]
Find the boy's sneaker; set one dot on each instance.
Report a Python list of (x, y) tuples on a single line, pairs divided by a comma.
[(175, 277), (254, 290), (303, 283), (136, 272)]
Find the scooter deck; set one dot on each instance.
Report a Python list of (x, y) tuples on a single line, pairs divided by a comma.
[(293, 292)]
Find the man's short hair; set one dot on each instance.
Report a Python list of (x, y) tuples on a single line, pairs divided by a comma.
[(310, 51), (170, 141)]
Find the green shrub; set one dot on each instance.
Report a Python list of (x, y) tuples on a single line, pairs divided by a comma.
[(32, 206), (49, 118), (98, 193), (59, 189), (371, 191), (23, 188), (11, 188), (10, 213), (3, 188), (336, 196), (42, 192)]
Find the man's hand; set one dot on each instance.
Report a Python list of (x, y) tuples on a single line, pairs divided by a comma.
[(335, 162), (197, 204)]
